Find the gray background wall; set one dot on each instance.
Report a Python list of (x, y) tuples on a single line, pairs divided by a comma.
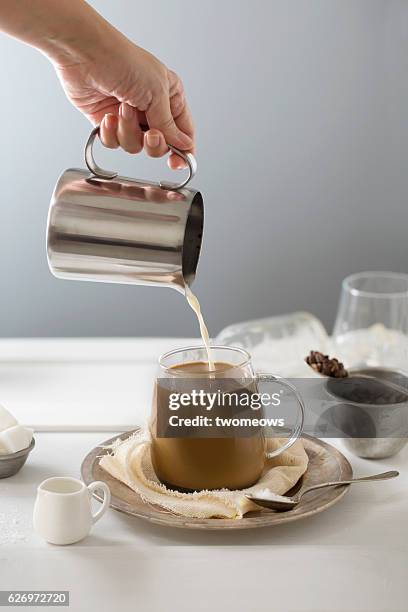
[(301, 113)]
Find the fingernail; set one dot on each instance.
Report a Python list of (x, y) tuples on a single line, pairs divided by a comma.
[(153, 140), (181, 165), (176, 164), (126, 111), (110, 120)]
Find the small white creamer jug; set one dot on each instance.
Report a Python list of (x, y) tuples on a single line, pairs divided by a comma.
[(62, 510)]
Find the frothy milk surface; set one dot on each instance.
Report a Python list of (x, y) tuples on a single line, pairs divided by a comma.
[(195, 305)]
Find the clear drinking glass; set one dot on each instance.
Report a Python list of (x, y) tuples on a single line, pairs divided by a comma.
[(371, 328)]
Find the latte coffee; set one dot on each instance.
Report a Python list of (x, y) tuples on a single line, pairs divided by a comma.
[(199, 463)]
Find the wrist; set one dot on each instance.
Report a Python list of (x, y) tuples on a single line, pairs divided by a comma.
[(82, 40)]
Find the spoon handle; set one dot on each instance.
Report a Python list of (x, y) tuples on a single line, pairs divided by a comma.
[(382, 476)]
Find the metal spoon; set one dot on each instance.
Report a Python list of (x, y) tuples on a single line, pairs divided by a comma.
[(291, 502)]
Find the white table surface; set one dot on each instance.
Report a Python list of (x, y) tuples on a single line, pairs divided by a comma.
[(351, 558), (94, 384)]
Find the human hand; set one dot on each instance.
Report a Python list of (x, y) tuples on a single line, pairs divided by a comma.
[(122, 87)]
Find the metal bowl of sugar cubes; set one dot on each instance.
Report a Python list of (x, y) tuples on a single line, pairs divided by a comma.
[(16, 443)]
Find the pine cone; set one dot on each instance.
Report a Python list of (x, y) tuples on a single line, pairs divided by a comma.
[(326, 366)]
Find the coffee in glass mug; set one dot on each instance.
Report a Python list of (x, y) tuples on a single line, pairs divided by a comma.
[(199, 457)]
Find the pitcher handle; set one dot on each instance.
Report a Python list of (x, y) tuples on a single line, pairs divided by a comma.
[(109, 175), (106, 498), (299, 425)]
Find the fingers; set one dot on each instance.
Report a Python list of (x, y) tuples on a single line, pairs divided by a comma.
[(184, 122), (182, 116), (123, 131), (169, 120), (156, 146), (129, 133), (175, 162), (108, 129), (154, 143), (160, 117)]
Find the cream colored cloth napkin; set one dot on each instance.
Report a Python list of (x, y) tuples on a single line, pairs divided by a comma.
[(130, 463)]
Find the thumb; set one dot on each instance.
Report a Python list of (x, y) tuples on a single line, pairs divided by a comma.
[(159, 116)]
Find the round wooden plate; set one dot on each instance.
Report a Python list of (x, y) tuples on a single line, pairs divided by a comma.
[(325, 463)]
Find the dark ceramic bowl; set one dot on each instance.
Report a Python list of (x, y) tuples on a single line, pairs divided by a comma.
[(12, 463), (372, 414)]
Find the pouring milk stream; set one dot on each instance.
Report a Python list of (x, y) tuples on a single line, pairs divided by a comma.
[(195, 305)]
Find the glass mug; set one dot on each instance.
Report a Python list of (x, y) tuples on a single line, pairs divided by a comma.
[(191, 463)]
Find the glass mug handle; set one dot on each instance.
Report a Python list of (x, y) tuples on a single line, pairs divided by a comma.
[(297, 430)]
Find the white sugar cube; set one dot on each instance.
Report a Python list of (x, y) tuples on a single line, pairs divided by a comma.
[(6, 419), (15, 439)]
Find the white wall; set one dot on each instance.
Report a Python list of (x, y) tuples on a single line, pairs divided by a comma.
[(301, 114)]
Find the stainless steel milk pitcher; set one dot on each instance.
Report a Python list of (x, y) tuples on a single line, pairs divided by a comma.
[(108, 228)]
